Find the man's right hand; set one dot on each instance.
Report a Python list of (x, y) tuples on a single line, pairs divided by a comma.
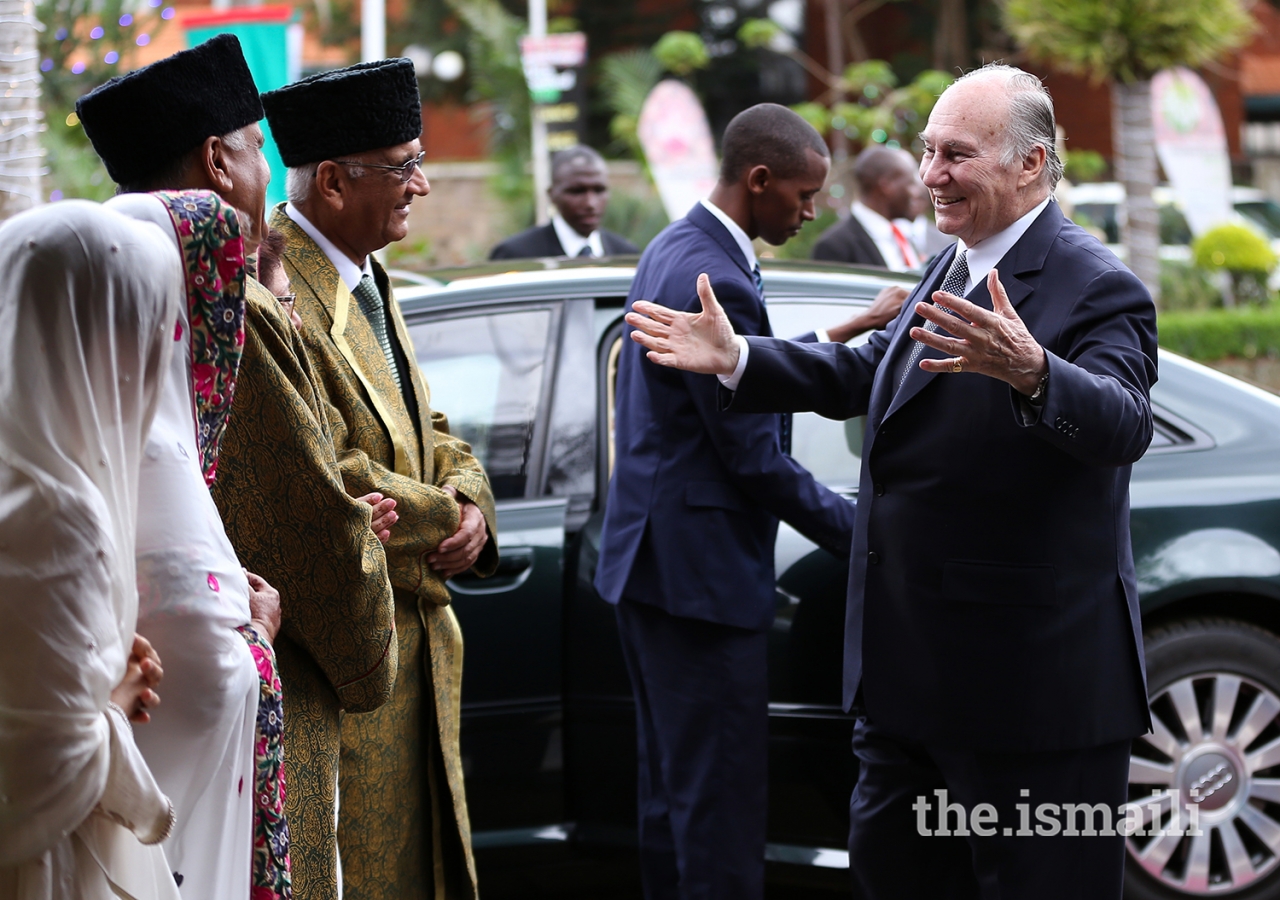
[(697, 342), (384, 514)]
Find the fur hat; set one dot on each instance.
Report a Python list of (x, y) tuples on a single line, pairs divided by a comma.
[(142, 121), (362, 107)]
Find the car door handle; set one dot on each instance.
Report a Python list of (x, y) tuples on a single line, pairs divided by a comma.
[(515, 565)]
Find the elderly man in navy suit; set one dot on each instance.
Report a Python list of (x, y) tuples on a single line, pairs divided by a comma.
[(693, 509), (993, 647)]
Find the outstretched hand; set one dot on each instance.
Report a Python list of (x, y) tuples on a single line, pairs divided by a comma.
[(992, 342), (697, 342)]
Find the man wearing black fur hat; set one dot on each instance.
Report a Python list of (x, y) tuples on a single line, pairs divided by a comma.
[(351, 140), (190, 121)]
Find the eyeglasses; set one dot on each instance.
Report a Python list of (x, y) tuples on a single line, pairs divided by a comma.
[(286, 300), (405, 171)]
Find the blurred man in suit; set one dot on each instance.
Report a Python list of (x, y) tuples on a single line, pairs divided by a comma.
[(993, 644), (887, 184), (694, 623), (580, 193)]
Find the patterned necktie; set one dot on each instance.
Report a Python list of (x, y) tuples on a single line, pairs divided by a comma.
[(366, 294), (585, 251), (955, 283), (759, 280)]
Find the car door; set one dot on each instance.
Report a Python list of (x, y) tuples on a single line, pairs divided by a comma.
[(492, 371), (811, 768)]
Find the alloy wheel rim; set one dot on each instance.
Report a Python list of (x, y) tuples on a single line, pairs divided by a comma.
[(1215, 749)]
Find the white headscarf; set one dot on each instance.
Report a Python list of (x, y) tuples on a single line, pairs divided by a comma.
[(88, 302)]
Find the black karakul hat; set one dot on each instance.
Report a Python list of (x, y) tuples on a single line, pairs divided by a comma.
[(146, 119), (362, 107)]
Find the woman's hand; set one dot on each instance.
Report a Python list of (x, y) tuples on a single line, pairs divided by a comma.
[(136, 692), (384, 514), (264, 607)]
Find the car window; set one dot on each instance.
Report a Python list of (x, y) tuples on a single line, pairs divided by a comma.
[(486, 373), (1263, 213), (831, 450)]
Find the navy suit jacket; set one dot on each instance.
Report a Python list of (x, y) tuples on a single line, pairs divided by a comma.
[(992, 598), (542, 240), (695, 496)]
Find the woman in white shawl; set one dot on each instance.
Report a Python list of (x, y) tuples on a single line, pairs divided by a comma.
[(194, 598), (88, 301)]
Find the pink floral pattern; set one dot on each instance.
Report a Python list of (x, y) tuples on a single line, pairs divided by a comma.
[(272, 879), (213, 256)]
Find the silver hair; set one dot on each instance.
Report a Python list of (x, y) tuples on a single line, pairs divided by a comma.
[(300, 180), (1031, 119), (235, 141)]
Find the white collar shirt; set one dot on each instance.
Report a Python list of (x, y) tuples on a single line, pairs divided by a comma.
[(572, 242), (880, 230), (986, 254), (735, 232), (348, 271)]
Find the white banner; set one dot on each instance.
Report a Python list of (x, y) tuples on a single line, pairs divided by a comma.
[(677, 143), (1192, 146)]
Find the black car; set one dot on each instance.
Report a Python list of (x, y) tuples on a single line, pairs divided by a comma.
[(522, 357)]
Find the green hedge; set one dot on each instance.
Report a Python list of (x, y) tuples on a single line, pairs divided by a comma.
[(1210, 335)]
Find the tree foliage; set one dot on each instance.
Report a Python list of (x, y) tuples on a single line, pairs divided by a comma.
[(683, 52), (1127, 40)]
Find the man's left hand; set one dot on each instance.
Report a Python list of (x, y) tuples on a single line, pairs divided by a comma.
[(458, 553), (987, 342)]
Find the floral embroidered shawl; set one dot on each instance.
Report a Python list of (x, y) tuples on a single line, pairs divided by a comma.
[(214, 259)]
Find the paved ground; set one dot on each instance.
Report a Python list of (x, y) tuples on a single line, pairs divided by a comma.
[(522, 875)]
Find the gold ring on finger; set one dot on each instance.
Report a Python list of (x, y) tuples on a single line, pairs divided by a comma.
[(958, 365)]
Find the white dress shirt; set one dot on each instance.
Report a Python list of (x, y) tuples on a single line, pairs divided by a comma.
[(880, 230), (983, 257), (572, 242), (986, 254), (736, 232), (348, 271)]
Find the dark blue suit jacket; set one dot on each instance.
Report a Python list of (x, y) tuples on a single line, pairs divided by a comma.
[(695, 496), (992, 598)]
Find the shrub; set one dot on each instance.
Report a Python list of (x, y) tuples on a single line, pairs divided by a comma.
[(1216, 334), (1240, 251)]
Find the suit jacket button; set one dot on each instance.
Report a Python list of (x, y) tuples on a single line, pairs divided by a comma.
[(879, 488), (873, 558)]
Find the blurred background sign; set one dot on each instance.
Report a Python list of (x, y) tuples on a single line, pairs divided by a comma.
[(677, 142), (271, 37), (554, 67), (1192, 146)]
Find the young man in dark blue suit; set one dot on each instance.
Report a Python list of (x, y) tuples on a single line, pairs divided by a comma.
[(993, 645), (693, 508)]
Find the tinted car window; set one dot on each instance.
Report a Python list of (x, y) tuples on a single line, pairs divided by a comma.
[(830, 450), (486, 374)]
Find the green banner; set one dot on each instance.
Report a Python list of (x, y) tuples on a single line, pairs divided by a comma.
[(265, 46)]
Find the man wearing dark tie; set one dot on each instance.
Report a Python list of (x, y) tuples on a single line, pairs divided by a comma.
[(993, 645), (875, 233), (687, 546), (580, 194)]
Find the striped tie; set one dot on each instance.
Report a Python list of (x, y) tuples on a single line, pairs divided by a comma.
[(955, 283), (784, 420), (366, 294)]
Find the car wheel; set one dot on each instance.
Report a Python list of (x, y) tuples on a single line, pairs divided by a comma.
[(1214, 689)]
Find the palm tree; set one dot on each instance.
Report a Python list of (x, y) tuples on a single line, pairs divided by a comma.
[(1126, 42), (21, 157)]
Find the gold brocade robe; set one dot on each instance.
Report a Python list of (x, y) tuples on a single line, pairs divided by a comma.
[(403, 834), (291, 520)]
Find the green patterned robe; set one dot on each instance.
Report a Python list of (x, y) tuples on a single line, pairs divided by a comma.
[(291, 520), (403, 829)]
